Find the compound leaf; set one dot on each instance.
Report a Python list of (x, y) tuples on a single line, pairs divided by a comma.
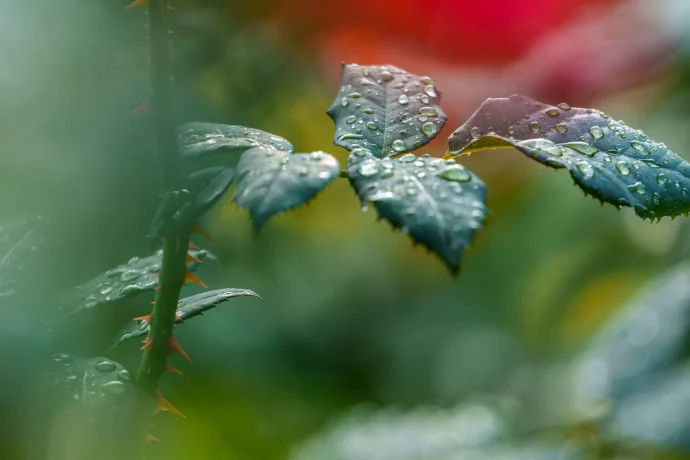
[(606, 158), (198, 139), (180, 208), (127, 280), (188, 307), (270, 181), (437, 202), (386, 110)]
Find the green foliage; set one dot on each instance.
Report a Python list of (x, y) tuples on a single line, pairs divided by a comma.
[(386, 110), (270, 181), (606, 158), (197, 139), (135, 277), (180, 208), (94, 382), (437, 202), (188, 307), (18, 240)]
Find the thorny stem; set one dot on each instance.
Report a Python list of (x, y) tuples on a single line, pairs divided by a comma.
[(175, 244)]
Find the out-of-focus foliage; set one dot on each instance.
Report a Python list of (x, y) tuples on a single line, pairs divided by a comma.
[(352, 315)]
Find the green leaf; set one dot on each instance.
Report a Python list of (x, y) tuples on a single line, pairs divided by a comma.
[(18, 241), (92, 381), (180, 208), (187, 308), (97, 400), (386, 110), (606, 158), (270, 181), (198, 139), (127, 280), (437, 202)]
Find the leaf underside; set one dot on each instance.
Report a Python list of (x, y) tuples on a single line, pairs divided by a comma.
[(187, 308), (386, 110), (127, 280), (198, 139), (606, 158), (181, 208), (439, 203), (270, 181)]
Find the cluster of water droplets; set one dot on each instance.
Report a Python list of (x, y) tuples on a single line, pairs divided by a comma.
[(92, 379), (387, 109), (136, 276), (424, 188)]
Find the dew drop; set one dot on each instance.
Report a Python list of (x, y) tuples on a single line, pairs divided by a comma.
[(596, 132), (354, 95), (475, 133), (428, 111), (129, 275), (105, 366), (368, 169), (623, 168), (553, 112), (586, 169), (407, 158), (561, 128), (351, 119), (534, 126), (403, 100), (399, 146), (114, 387), (582, 147), (638, 187), (661, 178), (430, 91), (564, 106), (386, 76), (371, 125), (429, 129), (455, 174), (123, 375), (640, 147)]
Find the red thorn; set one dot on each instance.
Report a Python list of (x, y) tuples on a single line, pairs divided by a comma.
[(147, 344), (190, 277), (169, 368), (146, 318), (152, 438), (193, 246), (191, 258), (178, 317), (157, 288), (175, 347), (136, 3), (197, 228), (141, 110), (164, 405)]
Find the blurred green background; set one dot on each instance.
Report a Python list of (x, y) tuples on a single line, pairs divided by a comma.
[(353, 314)]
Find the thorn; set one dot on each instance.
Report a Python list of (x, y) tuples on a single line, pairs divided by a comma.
[(147, 344), (136, 3), (157, 288), (152, 438), (153, 302), (197, 228), (169, 368), (141, 110), (146, 318), (192, 259), (193, 246), (190, 277), (175, 347), (178, 317), (163, 405)]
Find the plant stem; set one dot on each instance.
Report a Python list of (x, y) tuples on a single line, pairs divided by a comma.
[(175, 244)]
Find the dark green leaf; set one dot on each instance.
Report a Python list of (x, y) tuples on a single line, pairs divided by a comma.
[(437, 202), (92, 381), (133, 278), (606, 158), (180, 208), (188, 307), (270, 181), (386, 110), (200, 139), (18, 240)]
